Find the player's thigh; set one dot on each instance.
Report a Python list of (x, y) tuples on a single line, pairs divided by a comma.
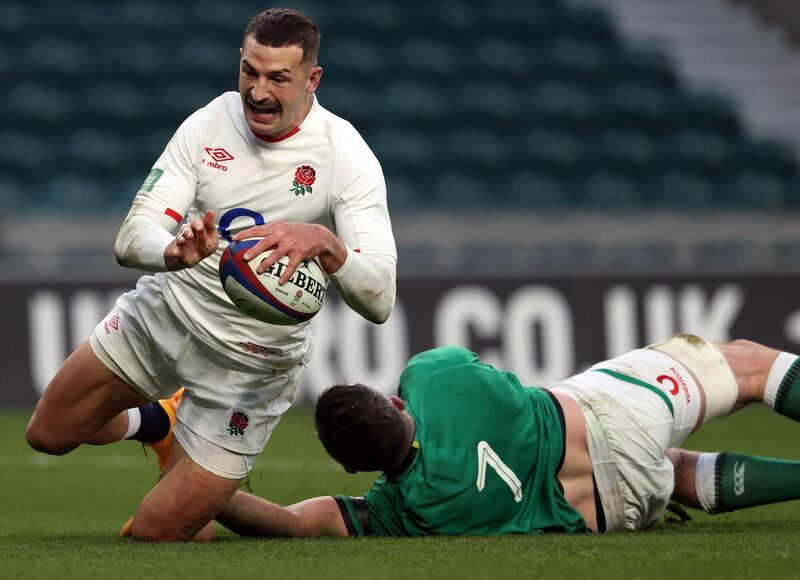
[(186, 498), (83, 396)]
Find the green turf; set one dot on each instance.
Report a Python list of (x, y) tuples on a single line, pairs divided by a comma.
[(59, 518)]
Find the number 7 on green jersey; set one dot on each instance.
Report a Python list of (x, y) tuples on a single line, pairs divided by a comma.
[(487, 456)]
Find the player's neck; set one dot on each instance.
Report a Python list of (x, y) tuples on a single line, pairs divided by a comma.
[(409, 449)]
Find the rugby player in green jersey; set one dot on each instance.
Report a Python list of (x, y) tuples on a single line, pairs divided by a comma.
[(466, 449)]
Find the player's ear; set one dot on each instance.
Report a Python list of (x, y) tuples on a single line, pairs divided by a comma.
[(398, 403), (313, 79)]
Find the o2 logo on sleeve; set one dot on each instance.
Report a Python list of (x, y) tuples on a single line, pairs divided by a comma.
[(226, 221)]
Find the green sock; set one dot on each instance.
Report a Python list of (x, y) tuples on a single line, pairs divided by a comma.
[(742, 481), (782, 391)]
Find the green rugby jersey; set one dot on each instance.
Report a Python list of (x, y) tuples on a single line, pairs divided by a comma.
[(488, 450)]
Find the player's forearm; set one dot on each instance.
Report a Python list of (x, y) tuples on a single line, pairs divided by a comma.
[(367, 285), (249, 515), (141, 243)]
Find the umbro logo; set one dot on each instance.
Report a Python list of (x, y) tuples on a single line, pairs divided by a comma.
[(218, 156), (112, 323)]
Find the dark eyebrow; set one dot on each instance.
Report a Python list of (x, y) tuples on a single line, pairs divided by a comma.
[(272, 72)]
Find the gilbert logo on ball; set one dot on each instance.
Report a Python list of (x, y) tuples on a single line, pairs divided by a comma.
[(260, 295)]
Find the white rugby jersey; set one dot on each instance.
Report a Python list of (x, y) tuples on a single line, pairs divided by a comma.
[(322, 172)]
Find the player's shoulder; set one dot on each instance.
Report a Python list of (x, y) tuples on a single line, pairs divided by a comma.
[(445, 356), (348, 143), (427, 364)]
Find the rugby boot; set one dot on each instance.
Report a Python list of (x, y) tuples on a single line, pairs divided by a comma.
[(125, 532), (171, 407)]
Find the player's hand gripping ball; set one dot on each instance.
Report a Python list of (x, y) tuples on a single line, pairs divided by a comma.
[(260, 295)]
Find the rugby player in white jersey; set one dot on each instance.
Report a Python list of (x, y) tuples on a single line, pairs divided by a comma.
[(266, 162)]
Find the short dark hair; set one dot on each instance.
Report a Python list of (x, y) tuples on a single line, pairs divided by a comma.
[(361, 428), (278, 27)]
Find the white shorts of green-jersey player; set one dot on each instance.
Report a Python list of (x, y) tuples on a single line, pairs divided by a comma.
[(466, 449)]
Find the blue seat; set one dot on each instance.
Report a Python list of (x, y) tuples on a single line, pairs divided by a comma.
[(632, 104), (500, 55), (29, 153), (428, 56), (475, 147), (625, 149), (361, 56), (681, 190), (608, 191), (14, 192), (757, 189), (562, 103), (704, 111), (455, 189), (406, 147), (421, 101), (73, 191), (530, 189), (116, 102), (552, 148), (702, 149), (483, 102), (57, 56)]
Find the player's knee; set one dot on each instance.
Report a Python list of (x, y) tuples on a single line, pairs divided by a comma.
[(683, 461), (675, 456), (743, 343), (157, 532), (44, 440)]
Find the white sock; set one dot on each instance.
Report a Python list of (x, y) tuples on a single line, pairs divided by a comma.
[(134, 422), (779, 369), (704, 484)]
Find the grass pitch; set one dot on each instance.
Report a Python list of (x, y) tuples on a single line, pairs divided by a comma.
[(59, 518)]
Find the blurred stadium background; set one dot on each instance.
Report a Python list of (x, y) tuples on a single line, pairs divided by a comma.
[(567, 178)]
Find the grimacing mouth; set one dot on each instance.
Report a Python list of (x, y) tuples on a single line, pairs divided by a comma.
[(260, 109)]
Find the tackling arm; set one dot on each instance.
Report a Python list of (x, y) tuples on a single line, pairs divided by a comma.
[(249, 515)]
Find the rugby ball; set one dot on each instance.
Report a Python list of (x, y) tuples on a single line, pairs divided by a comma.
[(260, 295)]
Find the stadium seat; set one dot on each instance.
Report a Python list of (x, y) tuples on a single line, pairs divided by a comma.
[(490, 103), (562, 103), (756, 189), (701, 149), (421, 101), (537, 191), (680, 190), (499, 55), (629, 150), (358, 55), (469, 192), (12, 191), (73, 192), (405, 148), (557, 149), (606, 190), (428, 56)]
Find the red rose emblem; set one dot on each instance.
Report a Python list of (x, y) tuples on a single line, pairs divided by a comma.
[(240, 420), (305, 175)]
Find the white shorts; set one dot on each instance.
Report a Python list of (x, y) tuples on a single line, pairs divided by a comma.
[(231, 406), (637, 406)]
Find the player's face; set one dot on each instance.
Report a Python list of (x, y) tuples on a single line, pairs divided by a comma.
[(275, 86)]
